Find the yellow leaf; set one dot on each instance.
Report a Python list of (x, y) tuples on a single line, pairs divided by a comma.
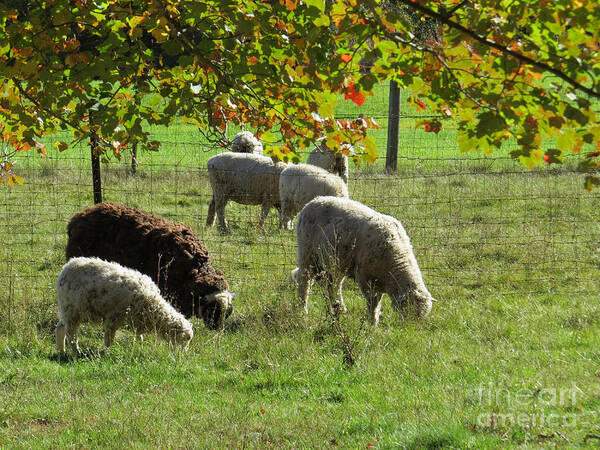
[(371, 148), (160, 35), (61, 146)]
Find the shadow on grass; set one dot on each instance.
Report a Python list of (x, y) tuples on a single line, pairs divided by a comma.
[(439, 438), (88, 354)]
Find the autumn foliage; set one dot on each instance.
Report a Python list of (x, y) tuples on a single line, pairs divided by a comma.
[(521, 71)]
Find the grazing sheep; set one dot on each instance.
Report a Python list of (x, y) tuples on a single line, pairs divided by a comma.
[(322, 156), (338, 237), (90, 289), (244, 178), (168, 252), (300, 183), (246, 142)]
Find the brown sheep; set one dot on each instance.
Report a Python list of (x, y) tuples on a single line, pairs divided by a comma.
[(168, 252)]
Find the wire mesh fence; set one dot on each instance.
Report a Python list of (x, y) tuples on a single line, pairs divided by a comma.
[(481, 226)]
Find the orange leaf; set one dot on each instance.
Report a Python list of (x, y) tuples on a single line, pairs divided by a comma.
[(354, 95), (346, 58), (290, 4)]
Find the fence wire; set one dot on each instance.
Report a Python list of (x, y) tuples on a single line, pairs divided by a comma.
[(481, 226)]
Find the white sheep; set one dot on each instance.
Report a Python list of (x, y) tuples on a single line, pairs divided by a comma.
[(334, 162), (300, 183), (338, 237), (244, 178), (91, 289), (246, 142)]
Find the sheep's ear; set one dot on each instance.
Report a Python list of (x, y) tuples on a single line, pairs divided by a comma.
[(433, 299), (233, 295)]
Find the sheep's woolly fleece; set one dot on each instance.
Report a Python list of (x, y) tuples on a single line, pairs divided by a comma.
[(322, 156), (168, 252), (246, 142), (300, 183), (243, 178), (91, 289), (346, 238)]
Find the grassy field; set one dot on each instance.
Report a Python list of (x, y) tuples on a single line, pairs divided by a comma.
[(508, 358)]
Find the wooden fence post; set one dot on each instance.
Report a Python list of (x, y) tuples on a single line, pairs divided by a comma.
[(134, 162), (96, 179), (391, 158)]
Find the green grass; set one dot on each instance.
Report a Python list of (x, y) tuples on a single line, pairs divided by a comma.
[(508, 358)]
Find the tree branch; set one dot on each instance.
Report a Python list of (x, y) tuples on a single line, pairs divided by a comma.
[(525, 59), (46, 110)]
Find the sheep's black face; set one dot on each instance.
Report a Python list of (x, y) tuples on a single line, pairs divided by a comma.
[(215, 309)]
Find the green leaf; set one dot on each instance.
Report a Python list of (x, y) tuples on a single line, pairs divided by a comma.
[(319, 4), (591, 182), (566, 140), (268, 138), (488, 123), (322, 21)]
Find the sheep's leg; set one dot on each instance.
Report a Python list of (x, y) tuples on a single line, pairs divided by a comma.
[(220, 203), (264, 212), (374, 307), (304, 282), (109, 333), (373, 301), (71, 329), (283, 222), (334, 292), (60, 337), (210, 216), (285, 217)]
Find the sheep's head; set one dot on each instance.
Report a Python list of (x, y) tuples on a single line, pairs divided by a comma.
[(179, 334), (215, 308), (184, 337), (414, 303)]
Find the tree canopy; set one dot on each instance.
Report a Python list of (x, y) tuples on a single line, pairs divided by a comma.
[(527, 70)]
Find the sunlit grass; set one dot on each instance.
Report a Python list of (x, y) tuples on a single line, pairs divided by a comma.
[(511, 255)]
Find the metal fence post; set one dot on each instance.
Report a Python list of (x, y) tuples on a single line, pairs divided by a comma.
[(391, 158)]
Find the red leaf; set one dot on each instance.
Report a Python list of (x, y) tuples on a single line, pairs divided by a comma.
[(531, 121), (421, 104), (346, 58), (354, 95), (431, 126)]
